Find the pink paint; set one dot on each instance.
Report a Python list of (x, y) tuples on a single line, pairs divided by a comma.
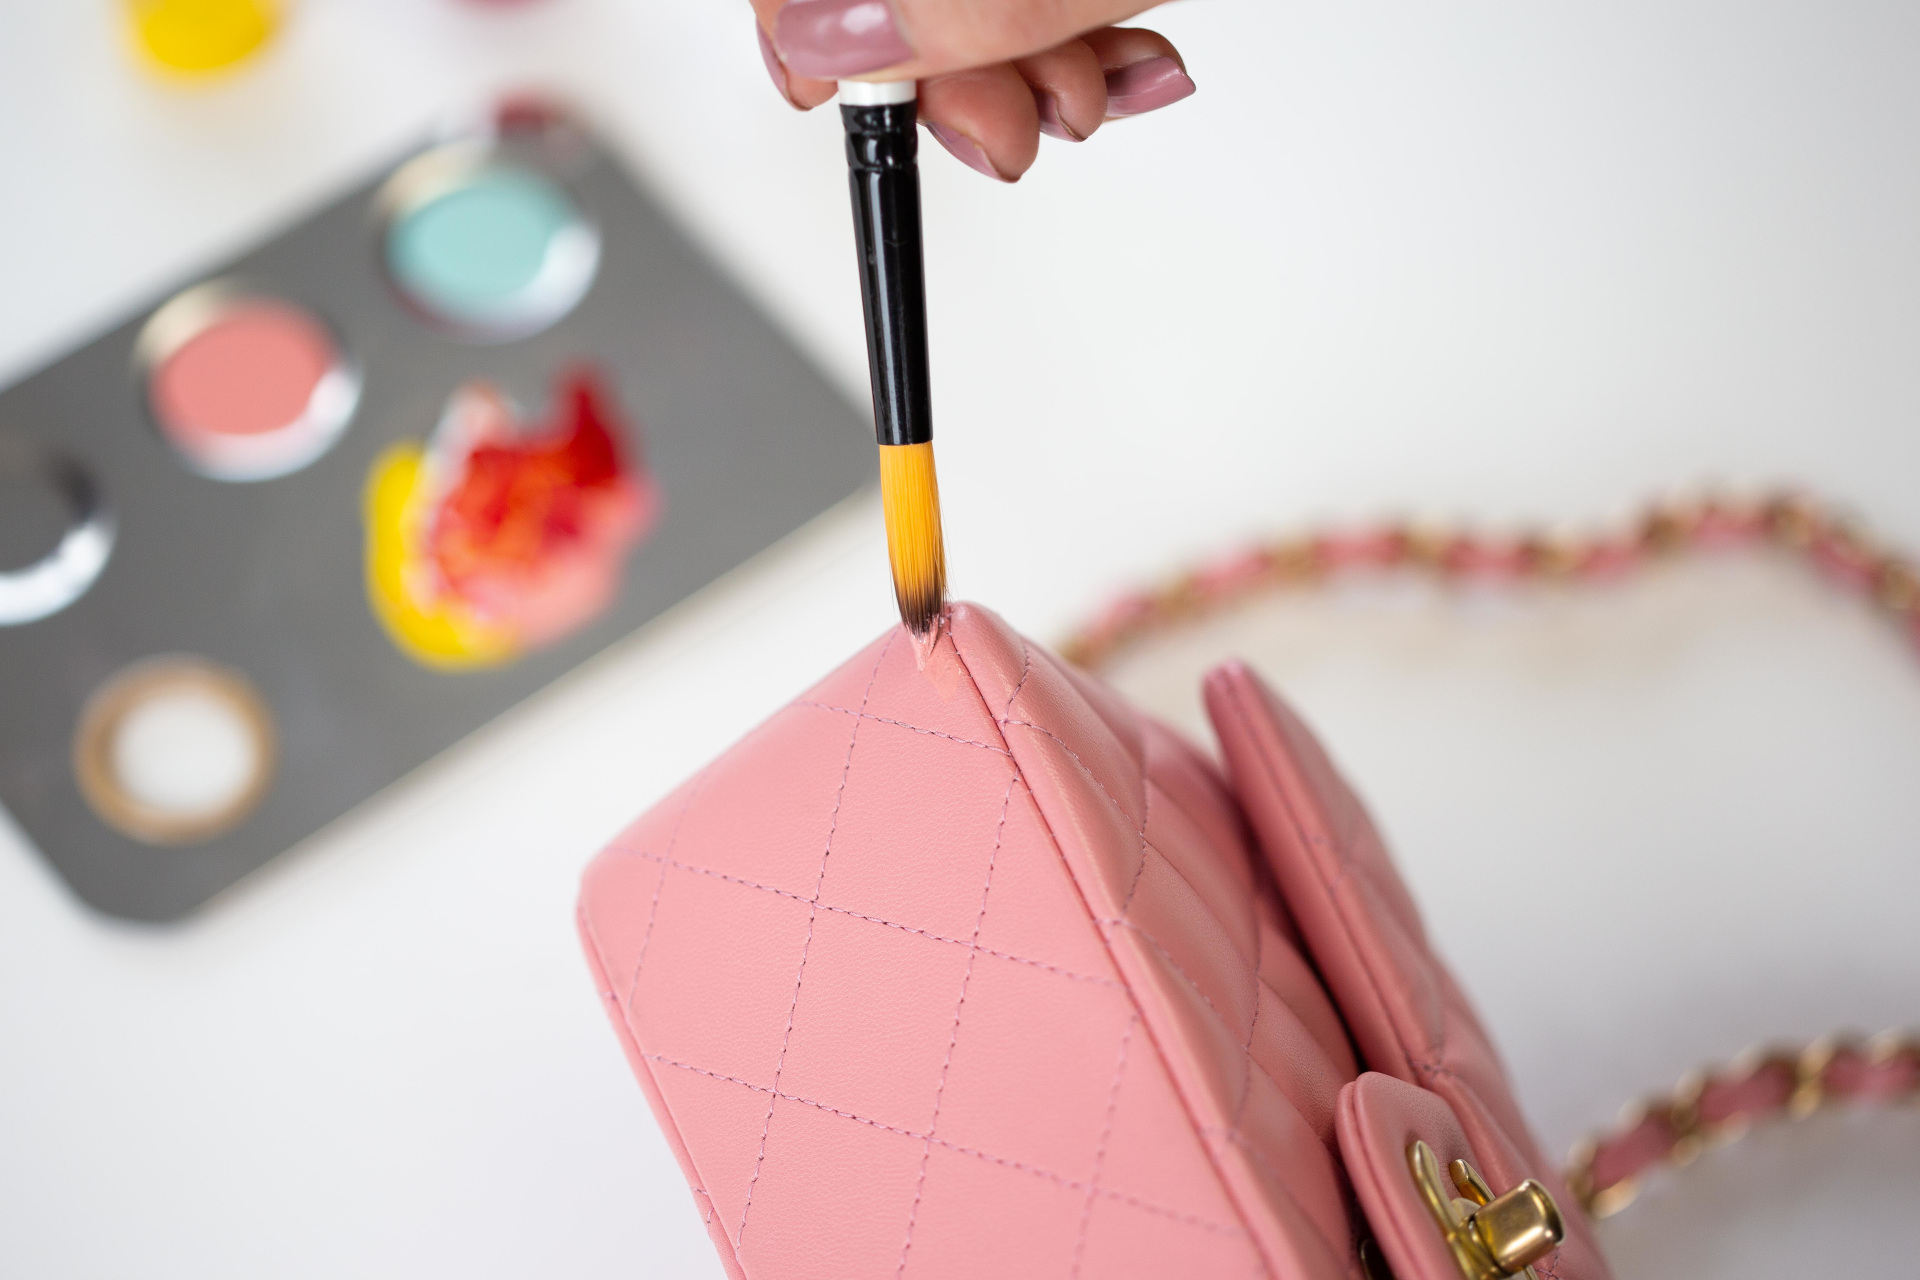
[(251, 372)]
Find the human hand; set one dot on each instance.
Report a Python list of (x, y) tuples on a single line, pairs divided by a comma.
[(994, 74)]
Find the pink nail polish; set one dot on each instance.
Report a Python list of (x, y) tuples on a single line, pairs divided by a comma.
[(1146, 86), (1050, 122), (829, 39), (965, 150), (775, 68)]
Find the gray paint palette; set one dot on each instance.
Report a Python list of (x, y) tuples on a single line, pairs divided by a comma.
[(265, 579)]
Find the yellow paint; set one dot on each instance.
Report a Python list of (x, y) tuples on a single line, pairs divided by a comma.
[(202, 35), (443, 634)]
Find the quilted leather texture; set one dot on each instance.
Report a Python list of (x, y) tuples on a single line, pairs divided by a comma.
[(1408, 1016), (1379, 1118), (974, 970)]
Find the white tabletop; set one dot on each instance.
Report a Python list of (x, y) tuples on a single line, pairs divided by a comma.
[(1498, 259)]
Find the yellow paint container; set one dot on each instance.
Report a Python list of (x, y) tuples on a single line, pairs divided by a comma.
[(200, 36)]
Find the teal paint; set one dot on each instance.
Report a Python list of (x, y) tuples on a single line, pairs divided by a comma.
[(476, 252)]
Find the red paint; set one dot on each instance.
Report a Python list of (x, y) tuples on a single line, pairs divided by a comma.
[(537, 519)]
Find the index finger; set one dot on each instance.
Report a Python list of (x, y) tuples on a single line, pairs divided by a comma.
[(916, 39)]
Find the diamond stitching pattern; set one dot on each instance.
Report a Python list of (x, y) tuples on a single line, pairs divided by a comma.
[(1251, 1234), (846, 911), (826, 852), (1146, 1206), (1400, 1000), (1333, 1227), (1100, 1153), (953, 1036)]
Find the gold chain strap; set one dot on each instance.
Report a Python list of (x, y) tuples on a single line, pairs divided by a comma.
[(1838, 547), (1709, 1107)]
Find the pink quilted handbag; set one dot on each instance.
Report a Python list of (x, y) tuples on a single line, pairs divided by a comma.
[(972, 970)]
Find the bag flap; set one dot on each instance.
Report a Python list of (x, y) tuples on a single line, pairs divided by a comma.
[(1407, 1015)]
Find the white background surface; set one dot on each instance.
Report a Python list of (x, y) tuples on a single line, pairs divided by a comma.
[(1507, 260)]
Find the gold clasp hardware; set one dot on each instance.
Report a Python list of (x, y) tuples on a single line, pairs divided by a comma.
[(1489, 1236)]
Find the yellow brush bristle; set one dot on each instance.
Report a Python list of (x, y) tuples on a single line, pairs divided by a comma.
[(911, 497)]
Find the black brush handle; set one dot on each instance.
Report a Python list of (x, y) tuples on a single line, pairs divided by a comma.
[(881, 145)]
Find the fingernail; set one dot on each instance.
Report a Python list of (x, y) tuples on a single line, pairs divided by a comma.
[(1050, 122), (828, 39), (965, 150), (775, 68), (1146, 86)]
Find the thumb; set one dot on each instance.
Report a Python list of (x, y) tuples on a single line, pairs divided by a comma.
[(917, 39)]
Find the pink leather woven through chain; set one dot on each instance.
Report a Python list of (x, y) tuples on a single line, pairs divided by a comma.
[(1713, 1106), (1838, 547)]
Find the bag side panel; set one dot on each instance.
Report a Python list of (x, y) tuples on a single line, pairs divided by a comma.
[(1159, 851), (867, 995), (643, 1072)]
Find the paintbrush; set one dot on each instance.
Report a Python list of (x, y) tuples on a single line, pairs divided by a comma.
[(881, 145)]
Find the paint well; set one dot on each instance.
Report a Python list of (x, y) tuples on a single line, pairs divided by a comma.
[(251, 372), (493, 250), (174, 750), (245, 388), (185, 751), (34, 516), (54, 535)]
